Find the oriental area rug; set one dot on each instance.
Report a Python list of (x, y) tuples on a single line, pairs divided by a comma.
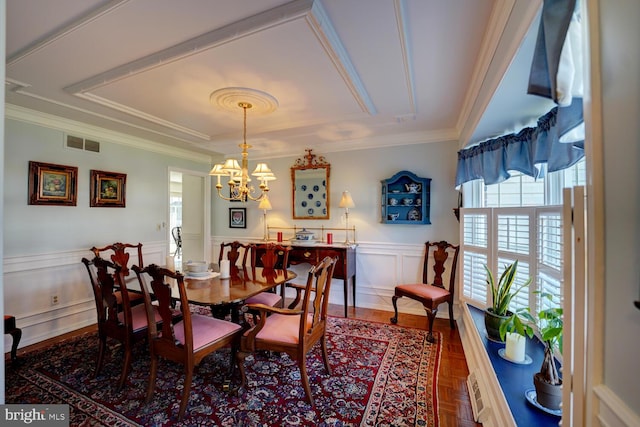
[(383, 375)]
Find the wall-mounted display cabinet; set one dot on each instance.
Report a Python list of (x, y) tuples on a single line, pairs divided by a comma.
[(406, 199)]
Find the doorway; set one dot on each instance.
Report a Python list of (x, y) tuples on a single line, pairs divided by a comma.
[(189, 216)]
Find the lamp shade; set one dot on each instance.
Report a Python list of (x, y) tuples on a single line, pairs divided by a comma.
[(231, 166), (265, 204), (262, 170), (346, 201), (217, 170)]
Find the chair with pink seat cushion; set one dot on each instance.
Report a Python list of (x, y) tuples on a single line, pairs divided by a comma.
[(117, 319), (432, 292), (188, 341), (295, 331)]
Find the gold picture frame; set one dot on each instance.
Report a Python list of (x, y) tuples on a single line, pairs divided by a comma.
[(51, 184), (108, 189)]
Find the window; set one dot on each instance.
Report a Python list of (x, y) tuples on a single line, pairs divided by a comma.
[(496, 237), (518, 219), (523, 190)]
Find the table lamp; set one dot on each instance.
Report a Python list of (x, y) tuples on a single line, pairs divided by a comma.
[(346, 202), (265, 205)]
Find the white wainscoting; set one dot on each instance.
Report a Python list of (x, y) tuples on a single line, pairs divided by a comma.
[(31, 281), (379, 268)]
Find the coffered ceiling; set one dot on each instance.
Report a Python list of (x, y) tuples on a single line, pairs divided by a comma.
[(339, 74)]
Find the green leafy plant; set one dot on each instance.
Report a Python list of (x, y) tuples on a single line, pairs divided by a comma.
[(501, 292), (550, 326)]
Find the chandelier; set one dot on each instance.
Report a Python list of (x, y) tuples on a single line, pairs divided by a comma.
[(239, 180)]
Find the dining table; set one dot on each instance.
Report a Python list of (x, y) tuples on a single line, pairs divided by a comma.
[(227, 295)]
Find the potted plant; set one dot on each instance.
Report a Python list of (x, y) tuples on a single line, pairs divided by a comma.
[(501, 293), (549, 322)]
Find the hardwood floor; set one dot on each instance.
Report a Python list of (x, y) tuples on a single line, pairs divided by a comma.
[(453, 399)]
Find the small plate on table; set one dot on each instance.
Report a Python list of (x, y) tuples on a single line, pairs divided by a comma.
[(201, 275), (527, 360)]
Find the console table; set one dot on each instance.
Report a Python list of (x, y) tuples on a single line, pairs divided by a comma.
[(345, 268)]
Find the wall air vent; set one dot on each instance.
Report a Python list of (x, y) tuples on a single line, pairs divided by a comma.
[(75, 142), (82, 144), (90, 145)]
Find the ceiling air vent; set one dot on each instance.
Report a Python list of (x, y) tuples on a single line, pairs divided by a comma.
[(83, 144)]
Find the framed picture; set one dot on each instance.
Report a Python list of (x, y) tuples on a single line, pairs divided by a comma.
[(51, 184), (108, 189), (232, 194), (237, 217)]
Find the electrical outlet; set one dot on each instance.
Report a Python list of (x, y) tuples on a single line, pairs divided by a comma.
[(54, 299)]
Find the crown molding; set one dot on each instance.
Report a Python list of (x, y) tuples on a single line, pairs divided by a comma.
[(71, 126)]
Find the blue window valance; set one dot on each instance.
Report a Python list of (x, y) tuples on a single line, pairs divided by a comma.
[(530, 151)]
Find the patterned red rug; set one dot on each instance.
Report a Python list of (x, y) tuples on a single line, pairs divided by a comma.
[(383, 375)]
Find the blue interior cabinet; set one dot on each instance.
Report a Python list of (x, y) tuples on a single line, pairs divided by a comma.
[(406, 199)]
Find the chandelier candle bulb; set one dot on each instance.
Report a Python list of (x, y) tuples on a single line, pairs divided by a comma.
[(225, 269), (514, 347)]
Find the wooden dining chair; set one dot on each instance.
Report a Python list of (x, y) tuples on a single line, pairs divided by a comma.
[(117, 319), (188, 341), (237, 253), (432, 292), (119, 255), (292, 331), (269, 256)]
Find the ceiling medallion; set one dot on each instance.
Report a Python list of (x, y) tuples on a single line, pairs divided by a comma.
[(229, 98)]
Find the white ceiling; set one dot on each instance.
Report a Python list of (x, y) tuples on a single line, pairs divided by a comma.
[(346, 74)]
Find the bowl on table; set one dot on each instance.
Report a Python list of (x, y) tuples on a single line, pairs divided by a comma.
[(196, 267), (304, 235)]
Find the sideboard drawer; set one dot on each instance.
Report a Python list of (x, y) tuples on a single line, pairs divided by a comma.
[(300, 255)]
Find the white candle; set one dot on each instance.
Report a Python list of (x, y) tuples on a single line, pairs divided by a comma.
[(224, 269), (515, 346), (170, 263)]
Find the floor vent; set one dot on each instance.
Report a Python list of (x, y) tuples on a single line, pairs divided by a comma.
[(83, 144), (475, 395)]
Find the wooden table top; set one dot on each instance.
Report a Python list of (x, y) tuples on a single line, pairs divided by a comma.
[(242, 284)]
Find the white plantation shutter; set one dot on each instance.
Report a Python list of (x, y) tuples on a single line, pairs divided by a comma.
[(475, 286), (513, 242), (549, 256), (498, 237), (475, 238)]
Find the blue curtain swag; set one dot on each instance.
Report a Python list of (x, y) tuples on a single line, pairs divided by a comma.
[(530, 151)]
